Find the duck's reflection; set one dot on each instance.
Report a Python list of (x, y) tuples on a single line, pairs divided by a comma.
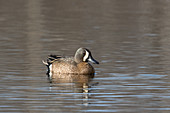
[(78, 83), (78, 86)]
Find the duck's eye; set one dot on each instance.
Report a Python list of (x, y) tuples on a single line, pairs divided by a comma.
[(84, 53)]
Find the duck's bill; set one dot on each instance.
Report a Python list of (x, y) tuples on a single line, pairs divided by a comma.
[(92, 60)]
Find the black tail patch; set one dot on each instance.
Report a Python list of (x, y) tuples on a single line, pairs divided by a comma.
[(51, 58)]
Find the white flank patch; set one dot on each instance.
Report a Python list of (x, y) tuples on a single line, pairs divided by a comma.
[(86, 56), (50, 70)]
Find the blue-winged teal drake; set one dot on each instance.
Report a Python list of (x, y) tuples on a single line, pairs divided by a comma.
[(71, 65)]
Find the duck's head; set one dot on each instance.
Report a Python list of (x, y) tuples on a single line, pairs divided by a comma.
[(84, 55)]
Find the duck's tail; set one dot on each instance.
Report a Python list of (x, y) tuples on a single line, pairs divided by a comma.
[(44, 62), (49, 61)]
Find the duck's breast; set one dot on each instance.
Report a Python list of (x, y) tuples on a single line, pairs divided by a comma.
[(85, 68)]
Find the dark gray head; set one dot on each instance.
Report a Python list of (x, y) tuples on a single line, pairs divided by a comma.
[(84, 55)]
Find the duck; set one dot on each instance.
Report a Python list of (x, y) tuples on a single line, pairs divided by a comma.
[(79, 64)]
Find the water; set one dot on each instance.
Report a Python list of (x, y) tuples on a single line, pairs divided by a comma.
[(129, 38)]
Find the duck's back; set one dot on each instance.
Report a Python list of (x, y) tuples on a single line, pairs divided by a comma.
[(64, 65)]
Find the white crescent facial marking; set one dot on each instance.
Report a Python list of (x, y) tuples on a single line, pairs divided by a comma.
[(86, 56)]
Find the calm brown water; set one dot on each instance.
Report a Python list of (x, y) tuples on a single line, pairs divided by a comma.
[(130, 39)]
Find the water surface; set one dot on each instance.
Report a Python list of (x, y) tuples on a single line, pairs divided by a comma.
[(129, 38)]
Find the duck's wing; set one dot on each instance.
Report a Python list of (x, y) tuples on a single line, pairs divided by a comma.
[(51, 58), (54, 57)]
